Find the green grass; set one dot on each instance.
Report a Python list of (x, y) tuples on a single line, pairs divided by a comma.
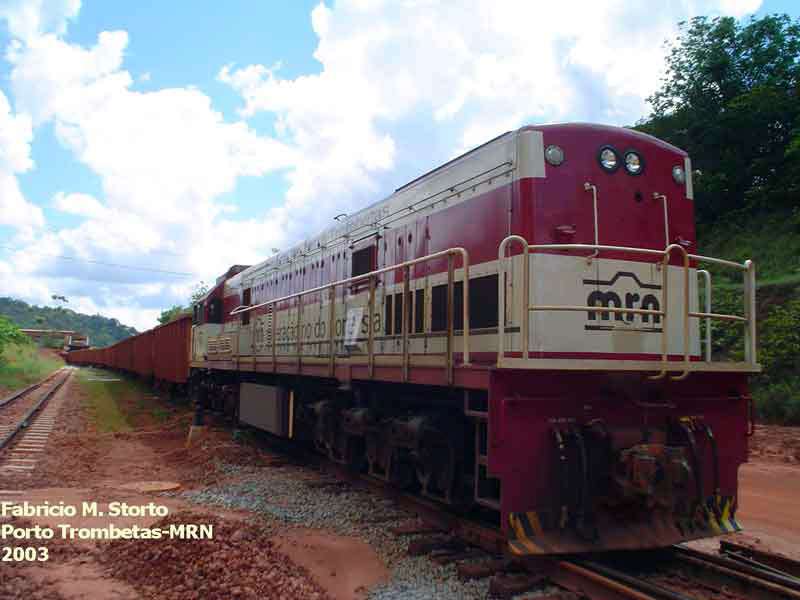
[(115, 402), (771, 240), (23, 364), (100, 400)]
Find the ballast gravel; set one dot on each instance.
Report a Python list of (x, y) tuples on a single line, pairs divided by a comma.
[(293, 495)]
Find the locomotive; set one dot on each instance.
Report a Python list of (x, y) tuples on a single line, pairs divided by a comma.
[(517, 333)]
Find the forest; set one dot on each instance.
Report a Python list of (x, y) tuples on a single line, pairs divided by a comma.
[(102, 331)]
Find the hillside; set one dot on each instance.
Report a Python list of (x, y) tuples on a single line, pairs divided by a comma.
[(772, 240), (731, 99), (102, 331)]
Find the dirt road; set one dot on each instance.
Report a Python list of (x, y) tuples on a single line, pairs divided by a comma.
[(769, 505)]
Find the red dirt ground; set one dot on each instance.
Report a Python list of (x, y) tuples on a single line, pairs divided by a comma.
[(249, 557)]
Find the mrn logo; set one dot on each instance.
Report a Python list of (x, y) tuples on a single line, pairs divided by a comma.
[(623, 290)]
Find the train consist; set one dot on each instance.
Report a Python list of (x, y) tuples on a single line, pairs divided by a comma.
[(517, 333)]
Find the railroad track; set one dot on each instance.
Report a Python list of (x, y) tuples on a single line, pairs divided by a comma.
[(674, 573), (26, 419), (478, 551)]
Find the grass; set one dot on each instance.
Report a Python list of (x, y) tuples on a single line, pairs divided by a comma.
[(771, 240), (118, 403), (23, 364), (100, 400)]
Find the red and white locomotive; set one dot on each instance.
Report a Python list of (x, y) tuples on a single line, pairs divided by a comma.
[(517, 331)]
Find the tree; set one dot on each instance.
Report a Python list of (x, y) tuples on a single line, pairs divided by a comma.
[(198, 291), (170, 314), (731, 98), (178, 310), (10, 334)]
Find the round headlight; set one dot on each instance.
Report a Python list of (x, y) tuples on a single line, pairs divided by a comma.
[(554, 155), (633, 163), (608, 159), (679, 175)]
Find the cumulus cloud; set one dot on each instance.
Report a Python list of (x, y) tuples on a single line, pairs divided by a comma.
[(163, 158), (16, 134), (81, 204), (471, 68), (402, 86), (28, 19)]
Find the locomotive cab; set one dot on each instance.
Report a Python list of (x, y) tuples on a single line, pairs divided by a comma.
[(636, 454)]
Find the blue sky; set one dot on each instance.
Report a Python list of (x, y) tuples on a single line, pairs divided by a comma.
[(183, 137)]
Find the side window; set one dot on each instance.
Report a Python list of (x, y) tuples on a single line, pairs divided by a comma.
[(215, 311), (398, 314), (363, 261), (419, 310), (482, 304), (439, 308), (387, 320), (246, 302)]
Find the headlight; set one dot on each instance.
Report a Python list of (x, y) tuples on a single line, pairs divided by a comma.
[(633, 163), (679, 175), (554, 155), (608, 159)]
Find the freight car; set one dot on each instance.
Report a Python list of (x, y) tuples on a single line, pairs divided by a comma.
[(516, 333), (160, 354)]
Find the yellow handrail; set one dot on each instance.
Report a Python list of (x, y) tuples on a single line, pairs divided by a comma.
[(664, 255), (450, 252)]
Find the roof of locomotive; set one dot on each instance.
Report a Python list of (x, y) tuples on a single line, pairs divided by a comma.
[(596, 127), (328, 233)]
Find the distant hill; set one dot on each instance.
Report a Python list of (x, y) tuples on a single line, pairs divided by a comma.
[(102, 331)]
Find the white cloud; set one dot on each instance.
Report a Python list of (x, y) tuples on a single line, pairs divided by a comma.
[(163, 158), (81, 204), (15, 138), (474, 67), (739, 8), (28, 19), (402, 86)]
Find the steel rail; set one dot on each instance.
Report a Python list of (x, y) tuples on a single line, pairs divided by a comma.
[(30, 388), (567, 574), (630, 586), (785, 586), (23, 422), (774, 561)]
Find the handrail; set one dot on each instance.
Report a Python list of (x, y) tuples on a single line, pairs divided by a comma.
[(587, 186), (750, 307), (404, 265), (707, 281), (657, 196), (501, 295), (749, 318), (665, 295)]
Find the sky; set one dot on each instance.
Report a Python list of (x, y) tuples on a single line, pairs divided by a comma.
[(146, 147)]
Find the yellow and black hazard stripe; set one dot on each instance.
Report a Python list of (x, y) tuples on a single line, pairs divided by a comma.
[(720, 514), (524, 527)]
